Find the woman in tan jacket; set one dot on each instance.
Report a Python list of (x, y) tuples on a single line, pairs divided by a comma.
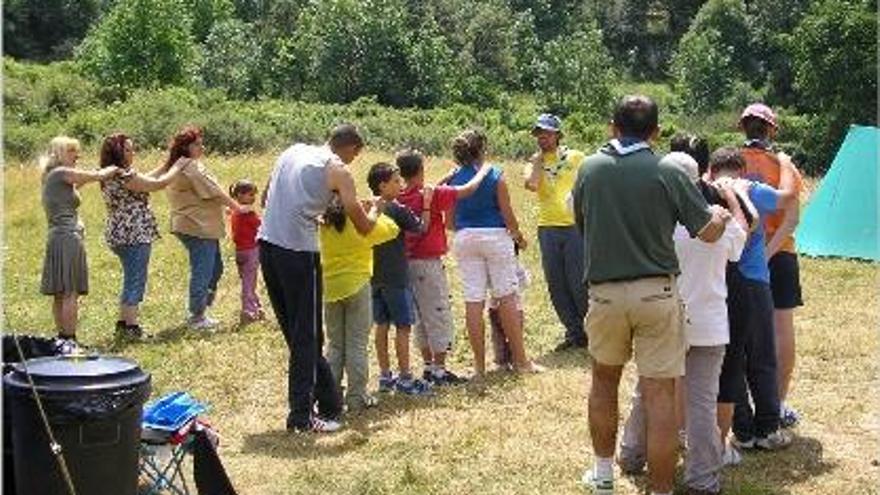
[(197, 218)]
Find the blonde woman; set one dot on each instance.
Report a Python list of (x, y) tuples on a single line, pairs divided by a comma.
[(65, 271)]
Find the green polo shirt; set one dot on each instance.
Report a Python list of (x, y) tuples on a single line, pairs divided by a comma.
[(627, 206)]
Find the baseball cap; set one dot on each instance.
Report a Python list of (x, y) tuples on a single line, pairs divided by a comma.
[(760, 111), (548, 122)]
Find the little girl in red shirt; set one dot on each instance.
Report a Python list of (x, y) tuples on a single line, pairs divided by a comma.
[(247, 256)]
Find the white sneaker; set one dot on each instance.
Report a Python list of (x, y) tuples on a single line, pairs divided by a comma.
[(775, 441), (202, 323), (598, 486), (731, 456), (325, 425)]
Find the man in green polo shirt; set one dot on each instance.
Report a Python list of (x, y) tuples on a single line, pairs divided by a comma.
[(626, 205)]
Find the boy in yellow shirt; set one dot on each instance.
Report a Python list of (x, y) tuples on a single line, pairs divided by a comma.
[(551, 174)]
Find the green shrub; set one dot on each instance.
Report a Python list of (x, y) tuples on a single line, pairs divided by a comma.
[(703, 70), (575, 74), (229, 60), (33, 93), (141, 43)]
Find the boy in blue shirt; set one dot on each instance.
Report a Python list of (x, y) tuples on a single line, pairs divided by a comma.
[(750, 358)]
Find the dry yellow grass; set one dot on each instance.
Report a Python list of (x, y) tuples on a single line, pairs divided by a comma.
[(523, 435)]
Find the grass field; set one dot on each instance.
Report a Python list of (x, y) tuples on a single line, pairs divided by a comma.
[(519, 435)]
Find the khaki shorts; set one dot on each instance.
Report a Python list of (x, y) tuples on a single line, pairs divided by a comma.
[(643, 316), (434, 329)]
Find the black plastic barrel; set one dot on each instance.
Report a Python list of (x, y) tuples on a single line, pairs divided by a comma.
[(94, 406)]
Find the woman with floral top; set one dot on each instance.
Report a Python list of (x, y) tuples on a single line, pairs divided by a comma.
[(131, 226)]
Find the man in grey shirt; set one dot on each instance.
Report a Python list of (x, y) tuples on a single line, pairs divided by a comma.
[(300, 189), (626, 204)]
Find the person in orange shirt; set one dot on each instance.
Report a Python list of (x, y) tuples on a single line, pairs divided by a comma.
[(763, 163)]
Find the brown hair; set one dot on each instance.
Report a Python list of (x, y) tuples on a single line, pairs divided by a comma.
[(242, 186), (410, 162), (727, 158), (469, 146), (179, 145), (113, 150)]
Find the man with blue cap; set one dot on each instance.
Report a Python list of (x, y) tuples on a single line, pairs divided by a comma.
[(551, 174)]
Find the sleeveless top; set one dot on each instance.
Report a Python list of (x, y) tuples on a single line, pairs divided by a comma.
[(480, 210), (60, 202), (297, 197)]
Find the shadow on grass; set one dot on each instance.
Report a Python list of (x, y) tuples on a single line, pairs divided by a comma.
[(762, 473), (359, 427), (776, 473), (170, 335), (578, 358)]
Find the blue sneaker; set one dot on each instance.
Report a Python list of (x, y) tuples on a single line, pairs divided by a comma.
[(387, 383), (788, 417), (413, 387)]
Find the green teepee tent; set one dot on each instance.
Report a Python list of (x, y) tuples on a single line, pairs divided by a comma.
[(841, 216)]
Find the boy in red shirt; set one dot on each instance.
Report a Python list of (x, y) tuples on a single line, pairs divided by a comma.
[(247, 255), (424, 254)]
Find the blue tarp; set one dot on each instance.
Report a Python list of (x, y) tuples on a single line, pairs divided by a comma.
[(841, 216)]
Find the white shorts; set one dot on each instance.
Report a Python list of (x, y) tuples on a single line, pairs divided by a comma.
[(486, 263)]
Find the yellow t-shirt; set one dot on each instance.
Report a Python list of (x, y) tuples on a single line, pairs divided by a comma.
[(347, 257), (560, 172)]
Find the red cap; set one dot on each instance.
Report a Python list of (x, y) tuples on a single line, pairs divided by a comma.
[(760, 111)]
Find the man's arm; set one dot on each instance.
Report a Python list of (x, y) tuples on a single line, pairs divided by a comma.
[(713, 230), (577, 201), (535, 174), (339, 179)]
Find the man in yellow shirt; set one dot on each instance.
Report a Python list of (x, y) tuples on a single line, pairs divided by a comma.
[(551, 174)]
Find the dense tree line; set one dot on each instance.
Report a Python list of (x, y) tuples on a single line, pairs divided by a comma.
[(812, 57)]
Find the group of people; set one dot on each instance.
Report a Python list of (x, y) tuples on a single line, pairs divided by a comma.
[(687, 256), (685, 261), (198, 218)]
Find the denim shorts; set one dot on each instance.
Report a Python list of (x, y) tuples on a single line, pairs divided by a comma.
[(135, 259), (393, 305)]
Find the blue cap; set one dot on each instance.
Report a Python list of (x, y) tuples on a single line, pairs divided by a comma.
[(548, 122)]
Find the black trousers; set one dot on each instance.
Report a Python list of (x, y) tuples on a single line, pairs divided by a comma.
[(293, 281), (749, 367)]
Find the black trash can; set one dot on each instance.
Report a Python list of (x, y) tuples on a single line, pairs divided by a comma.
[(31, 347), (94, 406)]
